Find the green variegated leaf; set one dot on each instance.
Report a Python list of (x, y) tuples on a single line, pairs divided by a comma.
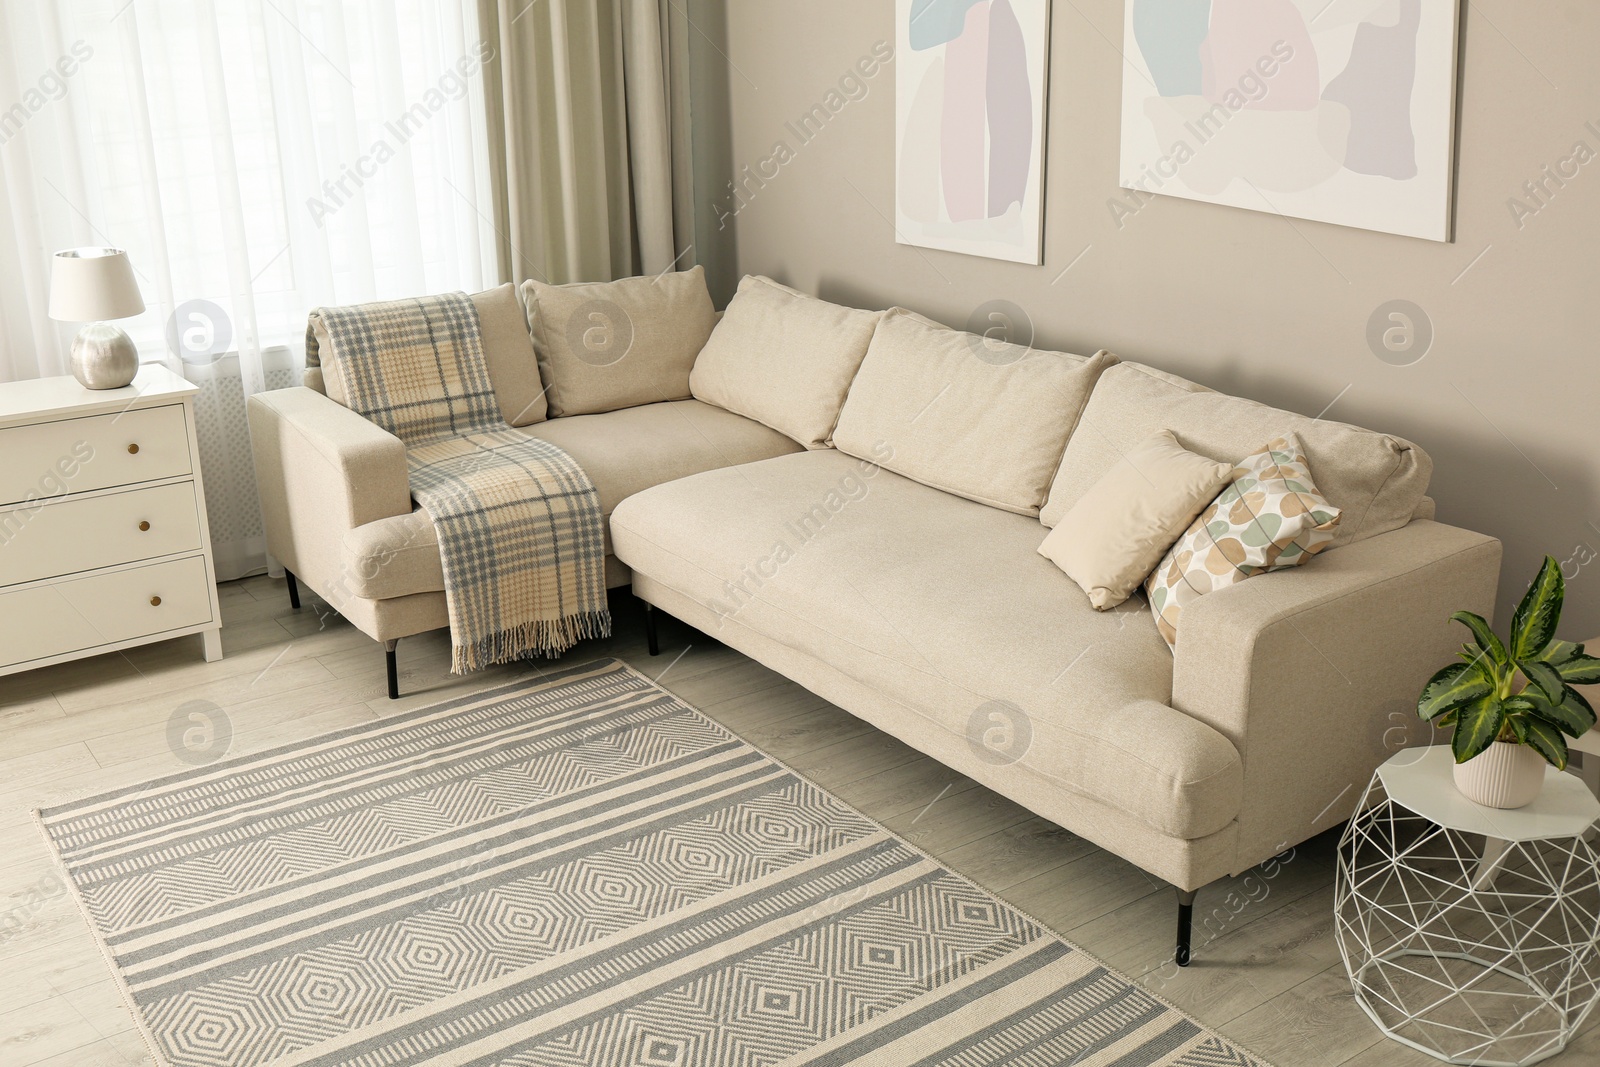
[(1533, 626), (1572, 663), (1543, 739), (1545, 677), (1576, 705), (1454, 687), (1558, 652), (1580, 670), (1478, 726), (1484, 635), (1572, 717)]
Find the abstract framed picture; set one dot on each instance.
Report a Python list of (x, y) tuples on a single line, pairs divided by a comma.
[(1339, 111), (972, 85)]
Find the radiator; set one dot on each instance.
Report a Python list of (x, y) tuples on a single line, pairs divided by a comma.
[(238, 536)]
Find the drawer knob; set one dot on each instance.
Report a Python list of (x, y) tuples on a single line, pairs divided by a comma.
[(144, 527), (155, 602), (133, 450)]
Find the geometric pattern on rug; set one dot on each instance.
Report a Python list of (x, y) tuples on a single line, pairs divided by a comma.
[(579, 870)]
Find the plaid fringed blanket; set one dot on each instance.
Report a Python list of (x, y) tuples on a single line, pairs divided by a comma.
[(519, 521)]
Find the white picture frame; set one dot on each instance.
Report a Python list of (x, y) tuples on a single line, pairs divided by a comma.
[(972, 84), (1336, 111)]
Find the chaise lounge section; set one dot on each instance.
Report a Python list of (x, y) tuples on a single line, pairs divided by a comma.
[(903, 582), (926, 615)]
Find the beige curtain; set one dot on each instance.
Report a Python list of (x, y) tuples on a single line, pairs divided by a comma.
[(591, 164)]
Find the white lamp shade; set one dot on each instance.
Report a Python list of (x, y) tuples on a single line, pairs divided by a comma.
[(93, 285)]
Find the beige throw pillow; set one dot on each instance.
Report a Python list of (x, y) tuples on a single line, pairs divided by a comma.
[(1271, 517), (508, 351), (609, 345), (784, 359), (1114, 536)]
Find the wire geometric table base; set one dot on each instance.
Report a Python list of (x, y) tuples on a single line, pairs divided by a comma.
[(1471, 947)]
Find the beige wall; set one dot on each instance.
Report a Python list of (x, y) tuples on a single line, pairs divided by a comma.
[(1242, 301)]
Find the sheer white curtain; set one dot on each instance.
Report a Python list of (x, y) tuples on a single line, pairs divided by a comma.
[(256, 158)]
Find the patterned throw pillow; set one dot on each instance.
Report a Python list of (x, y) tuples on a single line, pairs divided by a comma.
[(1270, 518)]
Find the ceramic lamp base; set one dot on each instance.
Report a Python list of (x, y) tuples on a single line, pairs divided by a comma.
[(103, 357), (1505, 776)]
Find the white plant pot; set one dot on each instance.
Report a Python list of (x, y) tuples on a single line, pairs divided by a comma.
[(1507, 775)]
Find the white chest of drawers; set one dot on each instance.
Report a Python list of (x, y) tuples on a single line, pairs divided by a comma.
[(103, 536)]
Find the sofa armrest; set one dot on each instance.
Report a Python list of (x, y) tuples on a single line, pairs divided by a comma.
[(322, 470), (1313, 673)]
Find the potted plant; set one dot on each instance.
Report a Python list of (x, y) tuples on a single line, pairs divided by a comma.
[(1511, 701)]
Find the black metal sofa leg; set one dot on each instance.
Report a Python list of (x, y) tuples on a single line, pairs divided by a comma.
[(294, 590), (650, 637), (394, 668), (1185, 926)]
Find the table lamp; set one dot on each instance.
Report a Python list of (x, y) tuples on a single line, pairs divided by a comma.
[(92, 285)]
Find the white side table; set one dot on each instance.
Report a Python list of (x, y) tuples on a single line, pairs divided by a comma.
[(1470, 933)]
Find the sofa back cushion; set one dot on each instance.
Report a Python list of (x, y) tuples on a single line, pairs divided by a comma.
[(507, 350), (603, 346), (1377, 481), (978, 418), (784, 359)]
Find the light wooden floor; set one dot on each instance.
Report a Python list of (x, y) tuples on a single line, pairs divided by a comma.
[(1270, 980)]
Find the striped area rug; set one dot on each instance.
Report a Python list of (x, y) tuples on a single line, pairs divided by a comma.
[(578, 871)]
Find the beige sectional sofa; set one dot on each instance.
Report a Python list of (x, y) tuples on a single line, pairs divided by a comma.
[(890, 564)]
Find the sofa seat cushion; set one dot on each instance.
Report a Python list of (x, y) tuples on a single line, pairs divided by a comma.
[(1376, 480), (946, 606), (623, 452), (964, 413)]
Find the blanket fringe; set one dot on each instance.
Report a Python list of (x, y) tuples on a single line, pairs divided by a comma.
[(548, 637)]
